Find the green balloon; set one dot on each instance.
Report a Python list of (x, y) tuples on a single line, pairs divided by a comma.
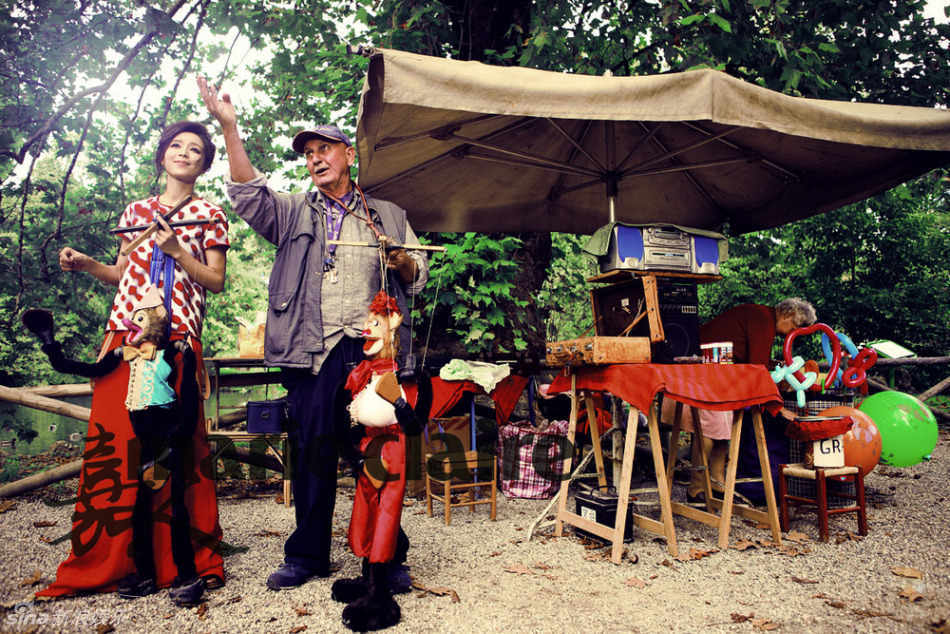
[(908, 428)]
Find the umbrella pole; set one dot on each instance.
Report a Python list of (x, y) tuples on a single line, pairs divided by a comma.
[(612, 188), (612, 185)]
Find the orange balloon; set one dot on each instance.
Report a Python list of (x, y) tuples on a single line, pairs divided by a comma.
[(862, 443)]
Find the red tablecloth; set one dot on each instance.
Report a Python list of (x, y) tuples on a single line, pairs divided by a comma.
[(718, 387), (445, 394)]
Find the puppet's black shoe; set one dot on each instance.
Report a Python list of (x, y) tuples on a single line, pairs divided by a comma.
[(377, 610), (349, 590), (135, 586), (187, 592), (372, 612)]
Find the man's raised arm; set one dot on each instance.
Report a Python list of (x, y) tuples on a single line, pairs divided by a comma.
[(223, 110)]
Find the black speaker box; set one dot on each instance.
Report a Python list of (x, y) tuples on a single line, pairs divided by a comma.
[(617, 305)]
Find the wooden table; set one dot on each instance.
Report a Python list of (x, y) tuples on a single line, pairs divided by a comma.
[(261, 375), (725, 387)]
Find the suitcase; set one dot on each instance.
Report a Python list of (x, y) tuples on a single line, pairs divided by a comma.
[(597, 351)]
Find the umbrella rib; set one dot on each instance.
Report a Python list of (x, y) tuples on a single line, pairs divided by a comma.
[(534, 159), (556, 189), (735, 146), (389, 142), (574, 188), (644, 141), (686, 167), (660, 170), (457, 152), (691, 178), (447, 133), (577, 145), (667, 154), (437, 134), (556, 167)]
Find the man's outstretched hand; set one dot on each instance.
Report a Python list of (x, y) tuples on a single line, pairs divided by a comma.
[(221, 109)]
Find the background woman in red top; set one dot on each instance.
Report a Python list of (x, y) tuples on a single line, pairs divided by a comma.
[(752, 329)]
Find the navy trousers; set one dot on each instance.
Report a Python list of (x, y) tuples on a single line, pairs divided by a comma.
[(314, 453)]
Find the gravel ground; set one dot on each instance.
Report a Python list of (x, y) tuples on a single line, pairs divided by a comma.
[(487, 577)]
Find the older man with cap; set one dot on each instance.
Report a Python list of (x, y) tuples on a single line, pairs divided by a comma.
[(318, 294)]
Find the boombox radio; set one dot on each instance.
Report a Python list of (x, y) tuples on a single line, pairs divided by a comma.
[(661, 248)]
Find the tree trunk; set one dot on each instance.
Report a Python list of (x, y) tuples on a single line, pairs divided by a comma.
[(533, 259), (61, 391)]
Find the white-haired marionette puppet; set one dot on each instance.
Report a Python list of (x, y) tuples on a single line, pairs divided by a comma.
[(372, 397), (164, 424)]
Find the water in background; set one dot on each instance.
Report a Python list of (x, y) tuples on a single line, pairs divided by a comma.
[(53, 427)]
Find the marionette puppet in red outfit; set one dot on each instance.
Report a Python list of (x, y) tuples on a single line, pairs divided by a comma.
[(163, 422), (373, 398)]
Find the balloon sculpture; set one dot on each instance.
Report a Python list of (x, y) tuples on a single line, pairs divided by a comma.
[(907, 427), (862, 443), (790, 374), (797, 372), (860, 361), (836, 359)]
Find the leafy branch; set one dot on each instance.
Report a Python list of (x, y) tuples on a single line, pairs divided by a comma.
[(94, 90)]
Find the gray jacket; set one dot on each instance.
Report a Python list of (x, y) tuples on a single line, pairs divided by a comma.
[(294, 324)]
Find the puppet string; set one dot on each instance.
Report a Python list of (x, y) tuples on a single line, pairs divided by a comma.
[(438, 286)]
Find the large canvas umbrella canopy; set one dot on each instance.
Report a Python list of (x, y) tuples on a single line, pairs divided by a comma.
[(465, 146)]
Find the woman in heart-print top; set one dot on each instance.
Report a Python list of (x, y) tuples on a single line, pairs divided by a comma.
[(188, 260), (188, 295)]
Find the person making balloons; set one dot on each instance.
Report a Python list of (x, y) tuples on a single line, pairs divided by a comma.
[(752, 329)]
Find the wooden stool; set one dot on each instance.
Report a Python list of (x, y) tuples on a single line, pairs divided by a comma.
[(820, 475), (456, 472)]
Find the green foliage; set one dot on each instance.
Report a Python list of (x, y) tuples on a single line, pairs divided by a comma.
[(469, 282), (245, 294), (10, 469), (565, 296), (10, 422), (71, 158)]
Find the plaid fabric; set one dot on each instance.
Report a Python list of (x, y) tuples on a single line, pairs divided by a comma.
[(530, 461)]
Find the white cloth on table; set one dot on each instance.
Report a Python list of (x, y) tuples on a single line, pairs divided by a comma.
[(485, 375), (716, 425)]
